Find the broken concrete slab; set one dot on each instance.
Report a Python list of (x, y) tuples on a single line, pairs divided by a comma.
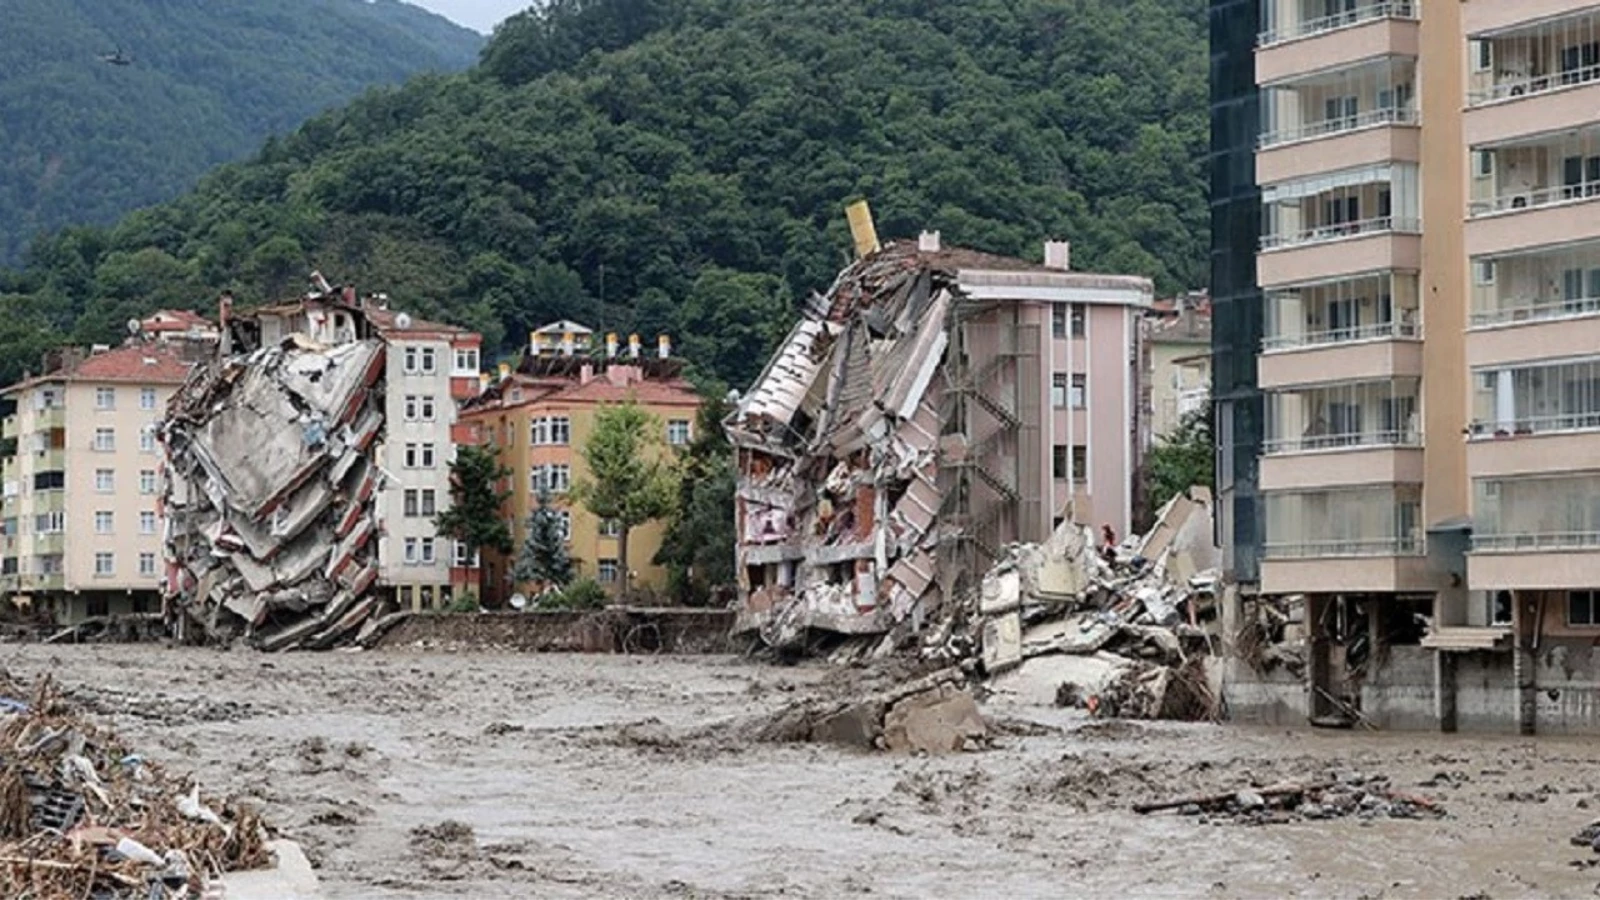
[(1002, 642)]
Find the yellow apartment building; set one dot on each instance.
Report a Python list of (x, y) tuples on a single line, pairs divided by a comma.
[(539, 417)]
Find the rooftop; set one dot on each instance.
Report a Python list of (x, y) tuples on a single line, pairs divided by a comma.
[(138, 362)]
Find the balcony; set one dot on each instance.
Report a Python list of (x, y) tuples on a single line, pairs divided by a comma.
[(1340, 223), (49, 544), (1309, 35), (1534, 193), (1535, 419), (1536, 532), (1363, 114), (1534, 78), (1312, 537), (49, 418), (1341, 417)]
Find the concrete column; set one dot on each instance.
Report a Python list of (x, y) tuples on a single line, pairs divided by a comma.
[(1317, 668), (1444, 690), (1522, 662)]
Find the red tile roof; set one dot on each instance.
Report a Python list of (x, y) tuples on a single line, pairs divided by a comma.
[(174, 320), (538, 390), (137, 363)]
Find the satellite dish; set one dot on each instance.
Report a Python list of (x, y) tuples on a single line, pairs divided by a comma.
[(402, 320), (133, 326), (518, 601)]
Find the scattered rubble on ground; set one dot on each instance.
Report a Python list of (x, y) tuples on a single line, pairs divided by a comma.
[(82, 816), (933, 714), (1344, 794), (272, 464)]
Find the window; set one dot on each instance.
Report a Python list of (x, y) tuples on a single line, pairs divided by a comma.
[(1077, 319), (1058, 462), (1485, 166), (462, 558), (103, 520), (147, 438), (411, 408), (1482, 56), (428, 502), (1058, 320), (411, 502), (427, 408), (147, 481), (50, 523), (608, 570), (467, 360), (560, 430), (53, 480), (105, 439), (678, 432), (1483, 272), (1583, 607), (411, 551), (1080, 462), (411, 360), (411, 456), (105, 563), (105, 481), (1080, 391), (105, 398), (428, 558), (560, 478), (429, 365), (565, 519), (539, 432), (610, 528), (147, 521), (147, 564), (1058, 390), (419, 456), (147, 398), (427, 456)]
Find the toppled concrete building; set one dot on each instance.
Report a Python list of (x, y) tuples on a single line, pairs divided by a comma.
[(283, 478), (936, 405)]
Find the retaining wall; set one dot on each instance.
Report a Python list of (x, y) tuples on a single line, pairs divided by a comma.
[(633, 630)]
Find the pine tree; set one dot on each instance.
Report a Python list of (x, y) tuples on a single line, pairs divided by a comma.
[(544, 558)]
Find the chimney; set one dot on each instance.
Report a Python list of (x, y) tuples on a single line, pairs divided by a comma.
[(633, 346), (1058, 255), (611, 345), (928, 242), (663, 346)]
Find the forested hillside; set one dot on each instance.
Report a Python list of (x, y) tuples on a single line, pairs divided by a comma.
[(84, 139), (683, 165)]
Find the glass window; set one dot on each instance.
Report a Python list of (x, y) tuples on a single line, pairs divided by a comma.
[(560, 430), (411, 360), (411, 406), (1080, 391), (411, 502), (411, 551), (427, 408), (103, 521), (105, 563), (1058, 461), (147, 398), (147, 481), (1078, 313), (426, 546), (428, 502), (429, 365), (1058, 390), (678, 432), (105, 439), (105, 481), (147, 521), (565, 519), (610, 528), (1582, 608), (147, 564), (1080, 462), (608, 570), (427, 456), (147, 439), (105, 398)]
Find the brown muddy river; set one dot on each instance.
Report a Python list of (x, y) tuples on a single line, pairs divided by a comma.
[(594, 776)]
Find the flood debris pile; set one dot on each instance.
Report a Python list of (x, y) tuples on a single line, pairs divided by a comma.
[(1123, 630), (1341, 795), (272, 465), (82, 816)]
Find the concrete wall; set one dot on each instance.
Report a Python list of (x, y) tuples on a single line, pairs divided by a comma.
[(1277, 697), (1486, 695), (1399, 695), (604, 631)]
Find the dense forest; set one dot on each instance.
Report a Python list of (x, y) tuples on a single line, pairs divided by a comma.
[(682, 165), (88, 133)]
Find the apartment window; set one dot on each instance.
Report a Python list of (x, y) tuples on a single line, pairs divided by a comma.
[(411, 502), (147, 521), (560, 478), (1483, 273), (49, 481), (105, 439), (428, 502), (1058, 390), (610, 528), (103, 520), (564, 518), (411, 551), (1058, 462), (411, 360), (411, 456), (411, 407), (1080, 462), (429, 364), (1058, 320), (105, 398), (147, 481), (427, 456), (1482, 56), (105, 481), (1080, 391), (426, 548), (147, 398), (462, 557), (608, 570), (147, 439), (560, 430), (50, 523), (147, 564), (1077, 312), (1583, 607), (427, 408), (466, 360), (1485, 166), (539, 432), (678, 432), (105, 563)]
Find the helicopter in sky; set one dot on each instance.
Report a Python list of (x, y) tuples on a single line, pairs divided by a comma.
[(117, 59)]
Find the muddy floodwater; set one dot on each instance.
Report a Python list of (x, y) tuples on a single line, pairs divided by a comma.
[(606, 776)]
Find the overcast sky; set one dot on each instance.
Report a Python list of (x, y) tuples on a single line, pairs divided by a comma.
[(478, 14)]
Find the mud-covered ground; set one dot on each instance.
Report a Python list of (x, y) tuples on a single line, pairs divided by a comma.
[(488, 775)]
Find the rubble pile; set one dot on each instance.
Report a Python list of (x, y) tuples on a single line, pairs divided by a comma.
[(81, 816), (1343, 795), (1122, 630), (272, 465)]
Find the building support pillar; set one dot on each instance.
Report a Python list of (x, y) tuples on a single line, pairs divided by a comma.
[(1524, 634), (1318, 667), (1444, 690)]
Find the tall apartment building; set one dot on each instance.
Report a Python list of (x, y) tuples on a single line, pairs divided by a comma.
[(1407, 338), (539, 417), (82, 518)]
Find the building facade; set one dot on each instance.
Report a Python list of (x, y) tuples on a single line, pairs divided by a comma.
[(539, 418), (83, 523), (1423, 255), (1178, 361)]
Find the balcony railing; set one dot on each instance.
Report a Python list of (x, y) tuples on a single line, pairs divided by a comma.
[(1374, 332), (1550, 540), (1536, 309), (1367, 547), (1347, 441), (1548, 196), (1532, 85), (1326, 233), (1535, 425), (1387, 9), (1335, 126)]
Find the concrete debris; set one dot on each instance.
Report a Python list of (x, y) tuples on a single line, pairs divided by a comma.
[(272, 462), (1349, 794), (934, 714), (1124, 631)]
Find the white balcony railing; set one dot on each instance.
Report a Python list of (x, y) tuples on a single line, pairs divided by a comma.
[(1367, 547), (1366, 12), (1374, 332), (1342, 441), (1550, 540), (1325, 233), (1584, 421), (1548, 196), (1309, 130), (1531, 85), (1533, 309)]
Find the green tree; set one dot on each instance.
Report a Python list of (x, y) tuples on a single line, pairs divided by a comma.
[(698, 546), (544, 559), (631, 479), (1182, 459), (474, 516)]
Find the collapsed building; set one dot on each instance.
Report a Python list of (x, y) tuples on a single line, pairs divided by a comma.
[(305, 466), (934, 406)]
